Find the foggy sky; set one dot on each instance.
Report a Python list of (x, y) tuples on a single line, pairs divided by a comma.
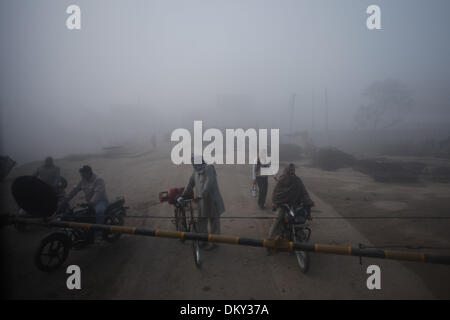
[(139, 67)]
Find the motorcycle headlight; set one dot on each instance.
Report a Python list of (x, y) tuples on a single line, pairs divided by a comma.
[(300, 215)]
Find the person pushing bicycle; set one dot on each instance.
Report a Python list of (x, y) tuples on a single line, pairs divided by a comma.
[(210, 203)]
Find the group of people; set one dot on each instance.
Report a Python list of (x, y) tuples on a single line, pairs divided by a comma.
[(289, 189), (92, 186)]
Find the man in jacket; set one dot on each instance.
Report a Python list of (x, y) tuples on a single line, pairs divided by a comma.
[(94, 191), (210, 203)]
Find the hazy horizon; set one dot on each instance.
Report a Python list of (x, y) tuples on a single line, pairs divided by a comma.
[(139, 68)]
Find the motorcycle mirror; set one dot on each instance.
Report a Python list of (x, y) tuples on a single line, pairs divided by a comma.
[(34, 196)]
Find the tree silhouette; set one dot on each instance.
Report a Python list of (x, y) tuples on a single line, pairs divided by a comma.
[(388, 102)]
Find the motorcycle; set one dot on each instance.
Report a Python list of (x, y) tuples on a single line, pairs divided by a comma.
[(54, 249), (295, 229)]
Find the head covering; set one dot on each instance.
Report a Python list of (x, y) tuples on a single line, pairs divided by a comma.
[(86, 169), (288, 189), (48, 162), (288, 169), (198, 162)]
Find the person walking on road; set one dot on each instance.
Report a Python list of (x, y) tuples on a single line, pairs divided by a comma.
[(210, 203)]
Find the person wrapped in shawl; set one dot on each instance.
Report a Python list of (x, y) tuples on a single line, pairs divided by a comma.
[(210, 205), (290, 190)]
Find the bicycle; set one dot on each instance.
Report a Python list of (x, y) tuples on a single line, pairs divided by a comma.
[(183, 222), (188, 223)]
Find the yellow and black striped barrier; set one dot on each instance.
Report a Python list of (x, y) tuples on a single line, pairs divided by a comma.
[(276, 244)]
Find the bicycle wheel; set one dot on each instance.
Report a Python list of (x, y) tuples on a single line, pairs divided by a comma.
[(196, 247), (180, 219), (302, 256)]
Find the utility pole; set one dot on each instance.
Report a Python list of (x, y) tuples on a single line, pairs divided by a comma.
[(312, 111), (326, 116), (291, 118)]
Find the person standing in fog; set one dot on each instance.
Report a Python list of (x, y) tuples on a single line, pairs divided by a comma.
[(262, 181), (49, 173)]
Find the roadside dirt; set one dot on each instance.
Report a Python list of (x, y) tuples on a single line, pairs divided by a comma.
[(153, 268), (354, 194)]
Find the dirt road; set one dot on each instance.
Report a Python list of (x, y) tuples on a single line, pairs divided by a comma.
[(152, 268)]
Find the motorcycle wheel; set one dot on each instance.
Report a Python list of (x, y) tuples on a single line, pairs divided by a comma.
[(52, 252), (301, 256), (115, 220)]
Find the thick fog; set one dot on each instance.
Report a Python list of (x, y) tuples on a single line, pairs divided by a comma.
[(143, 67)]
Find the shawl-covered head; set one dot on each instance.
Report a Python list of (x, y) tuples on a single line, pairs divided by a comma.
[(289, 187), (198, 163)]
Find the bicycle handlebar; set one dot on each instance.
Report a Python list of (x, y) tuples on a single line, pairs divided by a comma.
[(186, 201)]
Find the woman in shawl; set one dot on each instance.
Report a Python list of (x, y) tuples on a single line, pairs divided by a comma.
[(290, 190)]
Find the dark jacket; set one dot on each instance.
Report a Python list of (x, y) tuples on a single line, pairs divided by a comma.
[(291, 190)]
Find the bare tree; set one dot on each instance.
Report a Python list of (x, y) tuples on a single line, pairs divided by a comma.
[(388, 102)]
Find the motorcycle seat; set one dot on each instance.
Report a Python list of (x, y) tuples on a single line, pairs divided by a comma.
[(118, 203)]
